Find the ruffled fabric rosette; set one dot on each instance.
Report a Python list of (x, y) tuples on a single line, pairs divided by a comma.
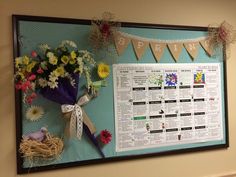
[(103, 31), (102, 37), (221, 36)]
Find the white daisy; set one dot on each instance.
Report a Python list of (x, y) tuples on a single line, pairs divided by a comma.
[(42, 82), (53, 76), (69, 43), (53, 84), (33, 85), (72, 81), (50, 55), (34, 113), (44, 47)]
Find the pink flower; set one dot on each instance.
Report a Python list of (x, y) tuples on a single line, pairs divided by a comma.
[(40, 70), (27, 83), (32, 77), (222, 33), (29, 100), (18, 86), (33, 95), (34, 54), (105, 136), (24, 87), (105, 30)]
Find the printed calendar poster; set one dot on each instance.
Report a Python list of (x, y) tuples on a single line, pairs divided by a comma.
[(166, 104)]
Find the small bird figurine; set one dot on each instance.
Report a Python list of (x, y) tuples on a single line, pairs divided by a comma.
[(37, 136)]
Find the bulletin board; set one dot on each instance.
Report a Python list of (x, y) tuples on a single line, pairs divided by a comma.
[(131, 62)]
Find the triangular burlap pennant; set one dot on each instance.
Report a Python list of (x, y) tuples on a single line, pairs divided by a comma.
[(157, 49), (139, 47), (206, 46), (192, 49), (175, 50), (121, 42)]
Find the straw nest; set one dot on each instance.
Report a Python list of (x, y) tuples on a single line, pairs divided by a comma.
[(50, 148)]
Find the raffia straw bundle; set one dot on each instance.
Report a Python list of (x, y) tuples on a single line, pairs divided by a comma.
[(48, 149)]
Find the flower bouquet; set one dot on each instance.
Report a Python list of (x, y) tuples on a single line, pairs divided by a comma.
[(54, 73)]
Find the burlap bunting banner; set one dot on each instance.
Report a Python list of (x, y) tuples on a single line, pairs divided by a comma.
[(207, 47), (139, 47), (175, 49), (192, 49), (121, 42), (157, 47)]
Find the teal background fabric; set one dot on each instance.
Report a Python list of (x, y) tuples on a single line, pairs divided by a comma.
[(101, 109)]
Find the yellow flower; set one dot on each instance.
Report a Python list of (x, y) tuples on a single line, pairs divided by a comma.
[(21, 75), (72, 61), (78, 70), (53, 60), (18, 61), (65, 59), (103, 70), (73, 55), (30, 66), (60, 71), (25, 60)]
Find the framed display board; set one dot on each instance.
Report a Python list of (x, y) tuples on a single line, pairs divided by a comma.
[(165, 94)]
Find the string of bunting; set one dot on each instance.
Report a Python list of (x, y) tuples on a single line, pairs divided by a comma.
[(157, 46), (107, 30)]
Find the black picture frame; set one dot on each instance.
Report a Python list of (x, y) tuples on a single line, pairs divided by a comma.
[(18, 96)]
